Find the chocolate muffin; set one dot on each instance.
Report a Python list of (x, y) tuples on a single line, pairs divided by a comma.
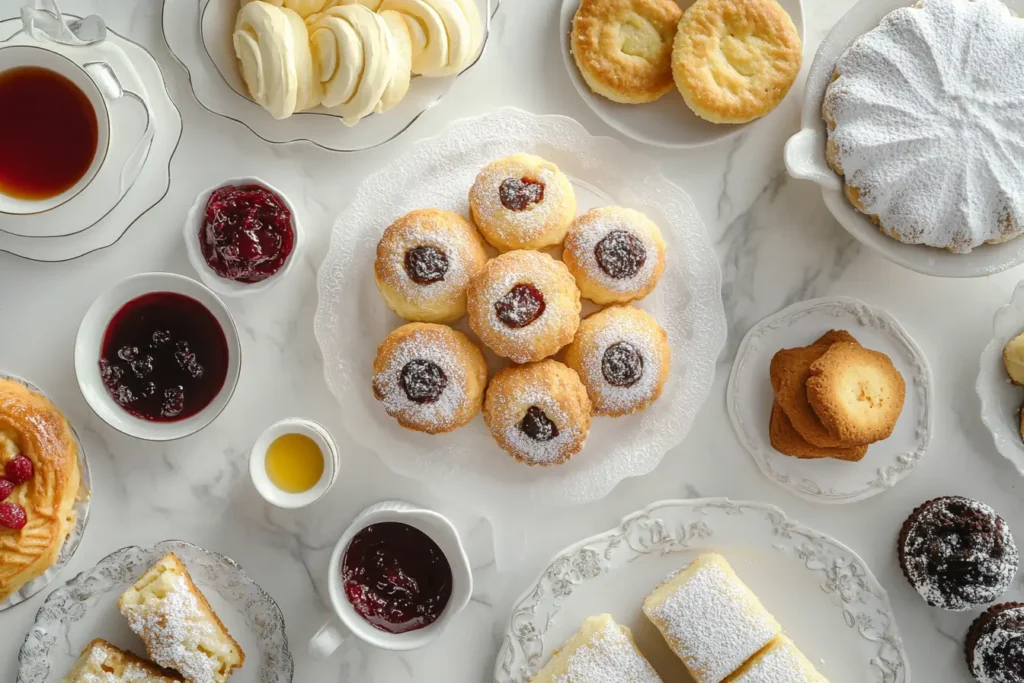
[(995, 644), (958, 553)]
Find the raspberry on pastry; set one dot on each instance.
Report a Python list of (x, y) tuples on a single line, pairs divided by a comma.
[(425, 261), (615, 254), (524, 306), (522, 202)]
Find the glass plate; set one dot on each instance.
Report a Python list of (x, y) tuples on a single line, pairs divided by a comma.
[(198, 34), (86, 608)]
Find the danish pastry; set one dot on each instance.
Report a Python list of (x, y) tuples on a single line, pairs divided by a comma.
[(623, 48), (429, 377), (538, 413), (600, 651), (101, 662), (425, 262), (181, 632), (622, 357), (522, 202), (615, 254), (787, 440), (856, 393), (39, 464), (735, 60)]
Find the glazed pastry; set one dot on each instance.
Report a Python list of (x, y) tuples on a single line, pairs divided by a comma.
[(780, 662), (522, 202), (429, 377), (600, 651), (446, 34), (39, 483), (710, 619), (618, 60), (995, 644), (401, 55), (958, 553), (524, 306), (274, 61), (787, 440), (101, 662), (181, 632), (735, 60), (1013, 359), (616, 254), (538, 413), (623, 358), (425, 262)]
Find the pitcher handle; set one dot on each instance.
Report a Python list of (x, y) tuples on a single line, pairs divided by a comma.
[(113, 92)]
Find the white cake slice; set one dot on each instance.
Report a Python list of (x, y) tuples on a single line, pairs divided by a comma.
[(780, 662), (101, 662), (600, 652)]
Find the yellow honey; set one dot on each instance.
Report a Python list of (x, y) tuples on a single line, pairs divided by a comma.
[(294, 463)]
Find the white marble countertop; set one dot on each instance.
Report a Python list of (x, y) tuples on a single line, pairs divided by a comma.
[(777, 245)]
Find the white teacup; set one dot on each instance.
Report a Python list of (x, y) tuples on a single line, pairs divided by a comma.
[(443, 533)]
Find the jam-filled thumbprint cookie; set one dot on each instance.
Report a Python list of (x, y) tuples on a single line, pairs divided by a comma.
[(425, 261), (524, 306), (616, 254), (429, 377), (522, 202), (538, 413), (622, 357)]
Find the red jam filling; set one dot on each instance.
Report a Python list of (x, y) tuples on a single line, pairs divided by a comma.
[(426, 265), (516, 194), (622, 365), (248, 233), (522, 305), (396, 577), (620, 254), (422, 381), (164, 357)]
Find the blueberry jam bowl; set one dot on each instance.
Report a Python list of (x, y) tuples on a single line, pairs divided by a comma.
[(157, 356), (242, 236)]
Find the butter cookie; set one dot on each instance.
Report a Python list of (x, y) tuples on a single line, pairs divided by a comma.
[(786, 440)]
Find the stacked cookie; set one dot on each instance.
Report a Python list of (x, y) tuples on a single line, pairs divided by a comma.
[(833, 398)]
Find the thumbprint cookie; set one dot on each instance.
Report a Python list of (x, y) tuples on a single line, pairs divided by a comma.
[(522, 202), (425, 261), (622, 357), (735, 60), (538, 413), (615, 254), (623, 48), (524, 306), (429, 377)]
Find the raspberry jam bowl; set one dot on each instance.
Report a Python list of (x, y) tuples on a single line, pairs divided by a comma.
[(242, 236), (157, 356)]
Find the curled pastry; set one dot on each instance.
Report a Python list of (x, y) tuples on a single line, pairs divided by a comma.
[(446, 34), (401, 54), (303, 8)]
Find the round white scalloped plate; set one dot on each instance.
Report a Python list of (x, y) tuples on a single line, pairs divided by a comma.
[(825, 480), (823, 594), (1000, 399)]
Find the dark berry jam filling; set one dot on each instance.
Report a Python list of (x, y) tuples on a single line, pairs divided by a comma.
[(622, 365), (517, 194), (426, 265), (395, 577), (164, 357), (522, 305), (620, 254), (537, 425), (248, 233), (423, 381)]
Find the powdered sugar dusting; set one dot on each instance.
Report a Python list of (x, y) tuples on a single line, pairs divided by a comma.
[(929, 122), (441, 413), (517, 226), (592, 227), (644, 339), (454, 244), (999, 649), (536, 452), (780, 663), (709, 624), (99, 670), (607, 657)]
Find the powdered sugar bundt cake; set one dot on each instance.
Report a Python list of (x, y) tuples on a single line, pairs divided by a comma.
[(925, 120)]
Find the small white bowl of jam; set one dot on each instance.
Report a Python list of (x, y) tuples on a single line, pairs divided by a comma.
[(293, 463)]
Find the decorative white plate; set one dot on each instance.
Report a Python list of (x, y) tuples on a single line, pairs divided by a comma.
[(1001, 400), (352, 318), (86, 608), (198, 34), (668, 122), (823, 594), (826, 480), (805, 158), (82, 519), (94, 230)]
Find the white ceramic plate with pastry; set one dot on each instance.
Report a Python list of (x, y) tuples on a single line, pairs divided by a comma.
[(85, 608), (199, 35), (667, 122), (805, 159), (1001, 399), (823, 595), (827, 480)]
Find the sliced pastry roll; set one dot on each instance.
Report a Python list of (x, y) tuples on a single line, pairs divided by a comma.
[(600, 651), (780, 661), (101, 662)]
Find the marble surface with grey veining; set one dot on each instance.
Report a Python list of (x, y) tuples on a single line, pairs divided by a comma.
[(777, 245)]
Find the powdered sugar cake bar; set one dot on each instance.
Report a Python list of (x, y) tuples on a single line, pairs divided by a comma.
[(101, 662), (780, 662), (710, 619), (600, 652), (180, 630)]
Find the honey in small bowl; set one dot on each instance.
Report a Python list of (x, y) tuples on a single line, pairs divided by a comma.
[(294, 463)]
